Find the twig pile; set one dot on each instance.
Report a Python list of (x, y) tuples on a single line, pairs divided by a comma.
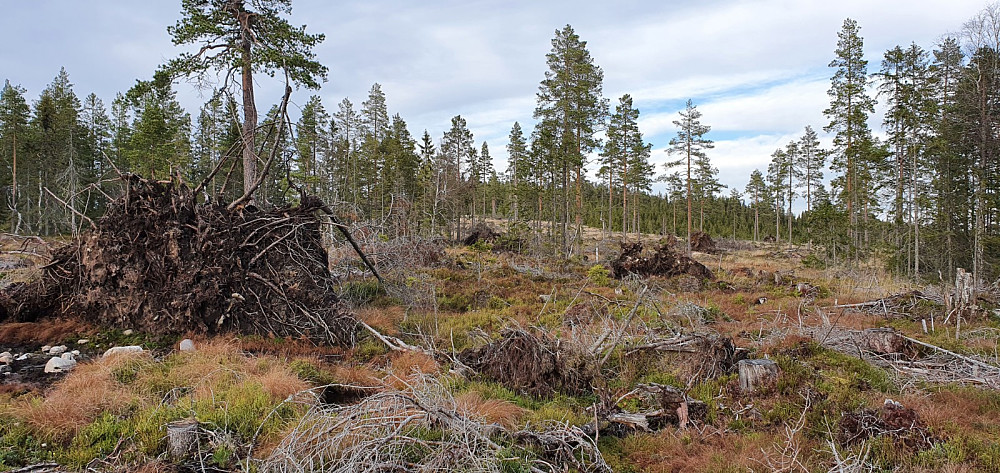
[(533, 364), (162, 263), (423, 429)]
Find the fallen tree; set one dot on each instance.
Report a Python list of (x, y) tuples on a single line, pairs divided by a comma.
[(160, 262), (664, 261)]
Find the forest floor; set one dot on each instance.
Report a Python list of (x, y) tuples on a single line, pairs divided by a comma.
[(511, 361)]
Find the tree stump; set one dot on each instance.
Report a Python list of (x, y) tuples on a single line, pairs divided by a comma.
[(182, 437), (755, 373)]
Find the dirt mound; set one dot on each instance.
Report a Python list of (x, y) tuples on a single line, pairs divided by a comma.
[(162, 263), (700, 241), (900, 424), (532, 364), (480, 232), (663, 262)]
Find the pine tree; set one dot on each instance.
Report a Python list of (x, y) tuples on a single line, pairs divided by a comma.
[(757, 191), (626, 156), (570, 103), (690, 143), (235, 36), (848, 114)]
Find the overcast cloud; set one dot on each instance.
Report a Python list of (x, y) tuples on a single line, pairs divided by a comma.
[(756, 69)]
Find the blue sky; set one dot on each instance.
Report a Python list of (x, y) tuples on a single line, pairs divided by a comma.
[(756, 69)]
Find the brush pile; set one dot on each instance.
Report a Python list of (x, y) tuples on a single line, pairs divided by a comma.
[(160, 262), (538, 365), (663, 262)]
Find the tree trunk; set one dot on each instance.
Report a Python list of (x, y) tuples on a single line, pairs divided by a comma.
[(249, 106)]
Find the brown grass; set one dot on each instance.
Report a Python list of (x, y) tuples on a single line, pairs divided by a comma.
[(687, 451), (77, 400), (279, 381), (42, 333), (493, 411)]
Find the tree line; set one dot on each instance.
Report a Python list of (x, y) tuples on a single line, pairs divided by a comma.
[(923, 200)]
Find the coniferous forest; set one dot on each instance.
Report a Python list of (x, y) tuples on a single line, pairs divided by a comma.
[(249, 286), (919, 200)]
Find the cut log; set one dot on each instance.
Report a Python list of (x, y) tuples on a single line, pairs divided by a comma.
[(756, 373), (182, 438)]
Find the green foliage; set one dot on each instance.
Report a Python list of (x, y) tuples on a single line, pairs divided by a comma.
[(599, 275), (361, 292)]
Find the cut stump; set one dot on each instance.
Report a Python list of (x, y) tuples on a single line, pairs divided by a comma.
[(756, 373)]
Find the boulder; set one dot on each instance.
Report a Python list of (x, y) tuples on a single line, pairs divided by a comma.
[(57, 350), (59, 365)]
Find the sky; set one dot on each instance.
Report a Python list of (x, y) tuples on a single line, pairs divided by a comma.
[(757, 70)]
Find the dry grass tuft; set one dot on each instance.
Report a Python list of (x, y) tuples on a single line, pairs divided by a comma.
[(492, 411), (77, 400), (280, 382)]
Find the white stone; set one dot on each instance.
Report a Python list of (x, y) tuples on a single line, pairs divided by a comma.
[(68, 356), (187, 345), (6, 357), (128, 332), (59, 365), (46, 348), (82, 341), (24, 357), (121, 350), (75, 352), (58, 350)]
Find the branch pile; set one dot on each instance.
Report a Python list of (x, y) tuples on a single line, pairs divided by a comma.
[(538, 365), (900, 424), (663, 262), (162, 263), (422, 428)]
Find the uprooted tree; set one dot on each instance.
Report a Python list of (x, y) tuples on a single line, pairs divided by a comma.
[(161, 262)]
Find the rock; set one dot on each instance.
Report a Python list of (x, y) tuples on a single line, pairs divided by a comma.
[(128, 332), (23, 357), (59, 365), (57, 350), (82, 341), (4, 369), (75, 352), (68, 356), (46, 348), (6, 358), (187, 345), (122, 350)]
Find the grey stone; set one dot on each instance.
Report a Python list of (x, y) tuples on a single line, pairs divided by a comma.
[(187, 345), (68, 356), (6, 357), (57, 350), (128, 332), (122, 350), (59, 365)]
